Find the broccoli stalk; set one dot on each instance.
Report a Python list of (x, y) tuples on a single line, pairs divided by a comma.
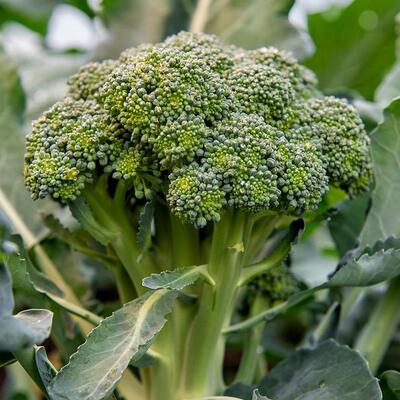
[(191, 152)]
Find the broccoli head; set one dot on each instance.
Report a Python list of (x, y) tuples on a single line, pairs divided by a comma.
[(204, 125)]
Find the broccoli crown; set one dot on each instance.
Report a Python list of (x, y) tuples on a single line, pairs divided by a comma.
[(204, 124)]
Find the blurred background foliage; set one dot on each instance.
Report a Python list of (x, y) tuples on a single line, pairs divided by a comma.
[(353, 47)]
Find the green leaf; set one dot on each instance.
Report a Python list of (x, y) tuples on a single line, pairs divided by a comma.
[(109, 348), (384, 218), (23, 329), (330, 372), (367, 270), (46, 370), (178, 278), (347, 39), (81, 211), (391, 382), (346, 224), (253, 24)]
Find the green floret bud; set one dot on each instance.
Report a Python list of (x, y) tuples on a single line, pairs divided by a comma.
[(208, 48), (195, 195), (344, 142), (66, 145), (302, 79), (179, 140), (128, 163), (302, 177), (240, 154), (161, 84), (276, 285), (261, 89), (90, 78)]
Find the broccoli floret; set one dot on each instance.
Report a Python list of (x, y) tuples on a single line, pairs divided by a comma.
[(86, 83), (68, 143), (204, 126), (276, 285)]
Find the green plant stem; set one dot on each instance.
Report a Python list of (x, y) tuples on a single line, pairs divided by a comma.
[(114, 216), (351, 298), (376, 335), (205, 343), (126, 290), (252, 350), (184, 251)]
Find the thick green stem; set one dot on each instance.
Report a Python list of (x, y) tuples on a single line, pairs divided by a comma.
[(205, 343), (376, 335), (184, 240), (116, 218), (252, 350)]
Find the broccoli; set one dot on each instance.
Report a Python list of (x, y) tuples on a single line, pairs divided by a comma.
[(228, 145)]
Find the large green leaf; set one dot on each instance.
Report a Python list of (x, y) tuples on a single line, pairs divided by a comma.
[(384, 217), (257, 23), (178, 278), (328, 372), (99, 363), (355, 45), (23, 329), (367, 270)]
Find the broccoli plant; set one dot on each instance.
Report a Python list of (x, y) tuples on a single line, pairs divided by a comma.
[(191, 163)]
